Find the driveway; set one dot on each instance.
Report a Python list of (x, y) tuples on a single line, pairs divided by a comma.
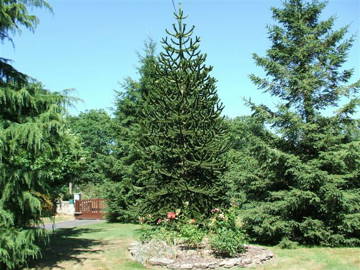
[(72, 224)]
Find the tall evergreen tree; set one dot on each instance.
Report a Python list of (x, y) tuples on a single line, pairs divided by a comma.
[(31, 133), (308, 189), (127, 170), (245, 133), (183, 132), (31, 128)]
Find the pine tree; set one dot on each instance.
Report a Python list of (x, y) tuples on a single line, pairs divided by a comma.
[(127, 170), (245, 132), (183, 133), (31, 131), (31, 127), (308, 189)]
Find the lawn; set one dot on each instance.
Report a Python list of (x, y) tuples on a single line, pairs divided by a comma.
[(104, 246), (58, 218)]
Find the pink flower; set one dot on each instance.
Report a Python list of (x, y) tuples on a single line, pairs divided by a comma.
[(215, 210), (159, 221), (171, 215), (192, 221)]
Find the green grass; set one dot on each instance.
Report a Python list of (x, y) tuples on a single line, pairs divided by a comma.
[(58, 218), (314, 259), (99, 246), (104, 246)]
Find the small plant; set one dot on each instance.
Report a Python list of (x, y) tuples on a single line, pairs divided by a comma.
[(160, 233), (227, 242), (286, 243), (146, 234), (227, 237), (191, 234)]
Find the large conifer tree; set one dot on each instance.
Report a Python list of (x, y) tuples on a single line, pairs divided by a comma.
[(31, 132), (128, 168), (31, 128), (308, 187), (183, 133)]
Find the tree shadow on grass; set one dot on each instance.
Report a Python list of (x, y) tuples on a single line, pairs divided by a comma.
[(66, 245)]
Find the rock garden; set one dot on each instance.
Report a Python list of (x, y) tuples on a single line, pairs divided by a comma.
[(217, 242)]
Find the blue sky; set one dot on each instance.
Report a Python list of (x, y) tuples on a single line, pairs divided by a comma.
[(92, 45)]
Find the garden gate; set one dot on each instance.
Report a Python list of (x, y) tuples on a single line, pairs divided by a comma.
[(89, 209)]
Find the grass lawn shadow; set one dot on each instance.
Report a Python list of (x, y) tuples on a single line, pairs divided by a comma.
[(67, 245)]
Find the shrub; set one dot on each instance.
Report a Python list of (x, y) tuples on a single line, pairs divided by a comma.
[(228, 242), (160, 233), (227, 236), (286, 243), (175, 227), (191, 234)]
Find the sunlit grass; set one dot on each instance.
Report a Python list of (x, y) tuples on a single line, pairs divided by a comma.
[(58, 218), (314, 259), (104, 246)]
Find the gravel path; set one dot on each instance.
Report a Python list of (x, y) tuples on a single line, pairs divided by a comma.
[(71, 224)]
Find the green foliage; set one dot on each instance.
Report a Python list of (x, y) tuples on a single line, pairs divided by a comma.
[(31, 133), (128, 168), (183, 136), (146, 234), (245, 133), (18, 245), (192, 234), (37, 153), (306, 188), (15, 14), (227, 242), (285, 243), (119, 201), (226, 235), (94, 128), (176, 228), (160, 233), (180, 231), (91, 190), (62, 164)]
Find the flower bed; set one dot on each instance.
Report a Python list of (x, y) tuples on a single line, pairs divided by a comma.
[(160, 253)]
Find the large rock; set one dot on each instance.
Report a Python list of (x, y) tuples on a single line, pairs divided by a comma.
[(161, 261), (201, 265), (230, 262), (186, 266)]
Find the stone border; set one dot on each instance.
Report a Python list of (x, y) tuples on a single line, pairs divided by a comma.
[(254, 255)]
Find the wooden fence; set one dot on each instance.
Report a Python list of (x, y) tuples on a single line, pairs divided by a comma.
[(90, 209)]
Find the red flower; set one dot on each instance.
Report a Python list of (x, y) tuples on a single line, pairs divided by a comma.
[(171, 215)]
